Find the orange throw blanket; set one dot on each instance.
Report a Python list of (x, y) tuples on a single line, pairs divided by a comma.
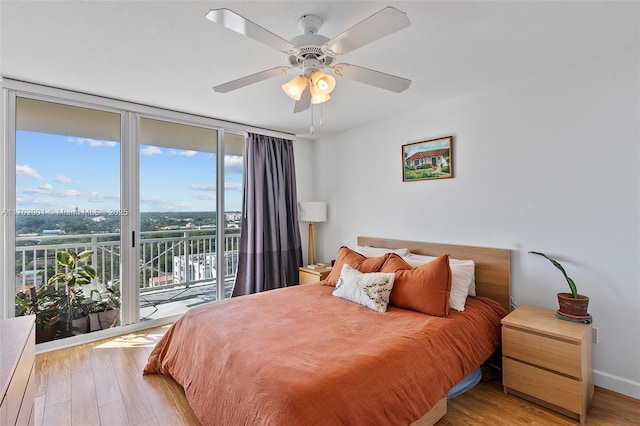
[(300, 356)]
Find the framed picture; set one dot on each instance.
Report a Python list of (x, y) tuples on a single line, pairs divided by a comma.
[(429, 159)]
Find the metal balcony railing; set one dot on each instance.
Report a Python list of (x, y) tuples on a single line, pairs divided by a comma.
[(168, 259)]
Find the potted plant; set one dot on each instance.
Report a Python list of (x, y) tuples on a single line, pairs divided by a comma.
[(572, 305), (73, 315), (104, 307), (44, 304)]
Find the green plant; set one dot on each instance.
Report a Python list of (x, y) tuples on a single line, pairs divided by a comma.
[(76, 274), (103, 301), (572, 284), (44, 303)]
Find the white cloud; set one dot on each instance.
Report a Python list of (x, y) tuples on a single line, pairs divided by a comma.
[(205, 196), (46, 187), (188, 153), (27, 171), (233, 164), (67, 193), (206, 187), (151, 150), (91, 142), (64, 179)]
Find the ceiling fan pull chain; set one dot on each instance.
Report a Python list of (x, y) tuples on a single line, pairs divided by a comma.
[(311, 130), (321, 118)]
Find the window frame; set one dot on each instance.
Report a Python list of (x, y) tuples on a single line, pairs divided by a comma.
[(130, 114)]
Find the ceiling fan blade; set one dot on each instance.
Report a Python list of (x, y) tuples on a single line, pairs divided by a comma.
[(305, 101), (381, 24), (374, 78), (250, 79), (242, 25)]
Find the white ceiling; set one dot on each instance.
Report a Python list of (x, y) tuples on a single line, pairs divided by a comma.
[(166, 54)]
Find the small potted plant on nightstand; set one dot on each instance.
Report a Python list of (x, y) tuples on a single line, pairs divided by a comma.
[(572, 305)]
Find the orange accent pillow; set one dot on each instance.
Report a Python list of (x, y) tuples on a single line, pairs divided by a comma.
[(423, 289), (356, 261)]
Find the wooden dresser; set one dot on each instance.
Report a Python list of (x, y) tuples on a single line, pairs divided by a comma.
[(547, 360), (17, 370)]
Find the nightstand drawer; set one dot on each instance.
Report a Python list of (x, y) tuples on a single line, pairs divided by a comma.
[(313, 275), (556, 355), (555, 389)]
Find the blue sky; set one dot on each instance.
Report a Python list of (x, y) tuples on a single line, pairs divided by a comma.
[(55, 172)]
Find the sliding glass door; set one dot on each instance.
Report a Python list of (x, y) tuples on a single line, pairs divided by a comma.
[(188, 246), (67, 203), (178, 220), (116, 213)]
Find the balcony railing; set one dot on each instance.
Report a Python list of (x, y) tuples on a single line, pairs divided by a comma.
[(169, 260)]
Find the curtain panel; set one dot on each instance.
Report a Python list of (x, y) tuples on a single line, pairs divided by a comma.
[(270, 251)]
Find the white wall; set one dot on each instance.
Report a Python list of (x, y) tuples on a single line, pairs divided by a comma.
[(549, 164), (303, 152)]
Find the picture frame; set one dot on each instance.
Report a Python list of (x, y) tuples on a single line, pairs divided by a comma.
[(428, 159)]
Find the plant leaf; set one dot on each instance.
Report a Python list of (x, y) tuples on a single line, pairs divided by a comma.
[(65, 259), (56, 277), (85, 255), (90, 271), (572, 284)]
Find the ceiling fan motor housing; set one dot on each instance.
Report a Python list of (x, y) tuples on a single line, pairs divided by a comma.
[(309, 46), (309, 53)]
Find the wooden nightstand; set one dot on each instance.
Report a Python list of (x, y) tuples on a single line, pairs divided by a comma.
[(547, 360), (308, 275)]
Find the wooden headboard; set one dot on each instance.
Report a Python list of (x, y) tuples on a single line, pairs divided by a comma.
[(493, 266)]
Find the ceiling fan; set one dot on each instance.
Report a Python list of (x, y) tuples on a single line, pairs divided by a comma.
[(311, 53)]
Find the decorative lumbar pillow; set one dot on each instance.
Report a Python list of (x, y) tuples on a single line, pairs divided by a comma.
[(462, 281), (356, 261), (423, 289), (371, 289)]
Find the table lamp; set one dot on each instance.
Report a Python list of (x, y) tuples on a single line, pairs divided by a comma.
[(312, 212)]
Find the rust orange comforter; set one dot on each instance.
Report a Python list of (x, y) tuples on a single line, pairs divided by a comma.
[(300, 356)]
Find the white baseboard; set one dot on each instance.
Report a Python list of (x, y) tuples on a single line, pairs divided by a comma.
[(616, 384)]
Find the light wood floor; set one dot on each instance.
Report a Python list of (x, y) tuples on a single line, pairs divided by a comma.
[(101, 383)]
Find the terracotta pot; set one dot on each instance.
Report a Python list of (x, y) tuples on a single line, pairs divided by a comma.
[(573, 307)]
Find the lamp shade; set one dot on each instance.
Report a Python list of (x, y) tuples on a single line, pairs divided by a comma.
[(295, 87), (318, 98), (312, 211), (323, 83)]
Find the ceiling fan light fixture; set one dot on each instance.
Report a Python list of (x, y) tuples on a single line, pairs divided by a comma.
[(318, 98), (323, 83), (295, 87)]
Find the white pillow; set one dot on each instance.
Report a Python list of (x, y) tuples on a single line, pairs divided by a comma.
[(369, 251), (462, 278), (371, 290)]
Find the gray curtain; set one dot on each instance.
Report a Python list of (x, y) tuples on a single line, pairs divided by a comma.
[(270, 251)]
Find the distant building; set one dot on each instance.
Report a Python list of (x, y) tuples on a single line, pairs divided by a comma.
[(28, 279), (52, 232), (199, 267), (162, 280)]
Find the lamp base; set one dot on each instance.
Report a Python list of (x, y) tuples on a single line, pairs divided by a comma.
[(311, 251)]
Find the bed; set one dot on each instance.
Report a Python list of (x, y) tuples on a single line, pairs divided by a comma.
[(299, 355)]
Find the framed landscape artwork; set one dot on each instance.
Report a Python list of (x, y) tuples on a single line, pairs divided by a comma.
[(428, 159)]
